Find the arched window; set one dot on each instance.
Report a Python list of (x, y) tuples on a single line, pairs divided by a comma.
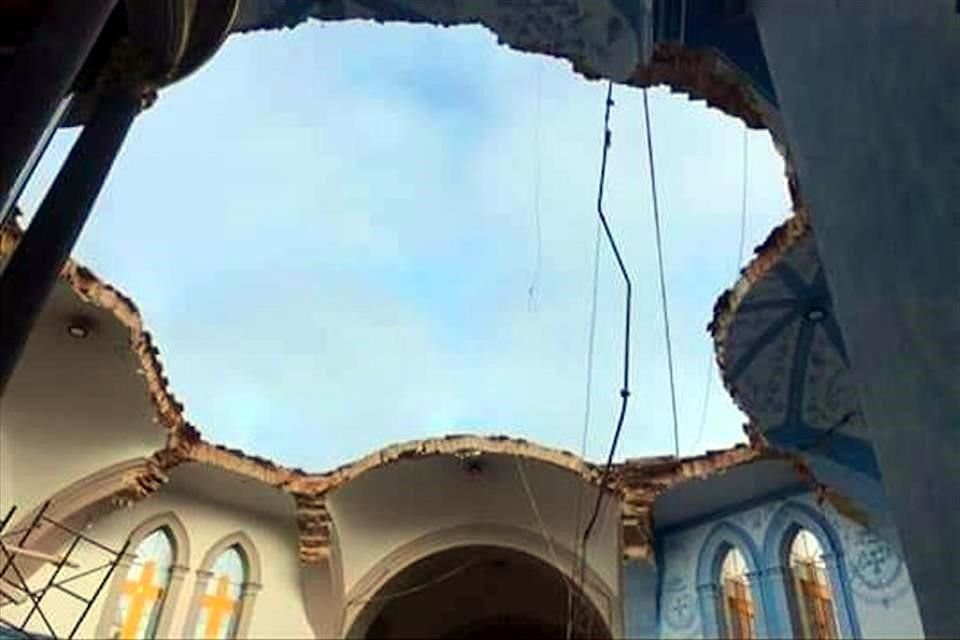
[(220, 604), (144, 589), (227, 583), (811, 601), (814, 596), (736, 602)]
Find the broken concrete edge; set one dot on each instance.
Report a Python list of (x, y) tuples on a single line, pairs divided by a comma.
[(766, 257), (636, 482), (91, 289), (699, 73)]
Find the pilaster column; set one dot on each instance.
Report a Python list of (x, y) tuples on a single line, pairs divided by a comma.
[(639, 598), (323, 598), (842, 595), (39, 77), (707, 595), (777, 610), (248, 594), (761, 607), (32, 272), (165, 626), (201, 580)]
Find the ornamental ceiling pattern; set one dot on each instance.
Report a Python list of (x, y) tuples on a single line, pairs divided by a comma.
[(782, 355)]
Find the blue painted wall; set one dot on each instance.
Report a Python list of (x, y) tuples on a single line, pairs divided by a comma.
[(871, 586)]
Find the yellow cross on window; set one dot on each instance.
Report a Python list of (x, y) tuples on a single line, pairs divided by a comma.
[(217, 606), (141, 593)]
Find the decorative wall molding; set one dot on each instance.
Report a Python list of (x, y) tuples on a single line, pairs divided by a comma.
[(181, 566)]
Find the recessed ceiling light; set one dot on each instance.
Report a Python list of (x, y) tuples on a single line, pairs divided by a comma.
[(79, 328), (816, 314)]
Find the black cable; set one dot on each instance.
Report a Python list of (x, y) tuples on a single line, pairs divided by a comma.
[(625, 391)]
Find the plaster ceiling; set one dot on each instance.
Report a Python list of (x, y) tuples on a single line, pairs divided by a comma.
[(80, 404), (394, 505), (231, 490), (702, 497), (782, 355)]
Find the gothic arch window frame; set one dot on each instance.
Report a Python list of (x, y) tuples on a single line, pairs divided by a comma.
[(248, 590), (594, 589), (178, 569), (787, 521), (724, 536)]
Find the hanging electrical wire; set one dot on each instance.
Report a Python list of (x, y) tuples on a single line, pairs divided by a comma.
[(743, 202), (663, 283), (547, 539), (387, 597), (534, 288), (740, 245), (587, 404), (625, 390)]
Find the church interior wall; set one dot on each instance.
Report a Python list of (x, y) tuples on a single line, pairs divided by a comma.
[(875, 577), (389, 508), (81, 399), (277, 610)]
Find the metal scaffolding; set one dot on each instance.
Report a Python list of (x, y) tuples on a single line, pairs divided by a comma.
[(16, 592)]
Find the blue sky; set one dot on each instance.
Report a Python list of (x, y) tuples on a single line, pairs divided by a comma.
[(331, 233)]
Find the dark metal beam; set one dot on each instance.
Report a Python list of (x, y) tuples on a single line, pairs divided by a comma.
[(36, 82), (32, 272)]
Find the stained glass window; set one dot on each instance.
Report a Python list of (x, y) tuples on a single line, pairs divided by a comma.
[(736, 601), (220, 604), (144, 588), (812, 605)]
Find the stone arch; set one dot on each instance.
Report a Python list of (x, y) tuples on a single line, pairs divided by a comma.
[(235, 539), (594, 590), (721, 538), (181, 564), (790, 518), (459, 445), (87, 500), (178, 532), (248, 590)]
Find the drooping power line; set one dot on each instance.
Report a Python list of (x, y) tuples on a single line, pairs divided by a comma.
[(534, 289), (711, 362), (625, 390), (663, 283)]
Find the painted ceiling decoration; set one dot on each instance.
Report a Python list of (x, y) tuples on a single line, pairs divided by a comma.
[(782, 355)]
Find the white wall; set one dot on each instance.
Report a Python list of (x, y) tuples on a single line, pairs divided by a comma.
[(278, 610), (73, 407), (387, 508)]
